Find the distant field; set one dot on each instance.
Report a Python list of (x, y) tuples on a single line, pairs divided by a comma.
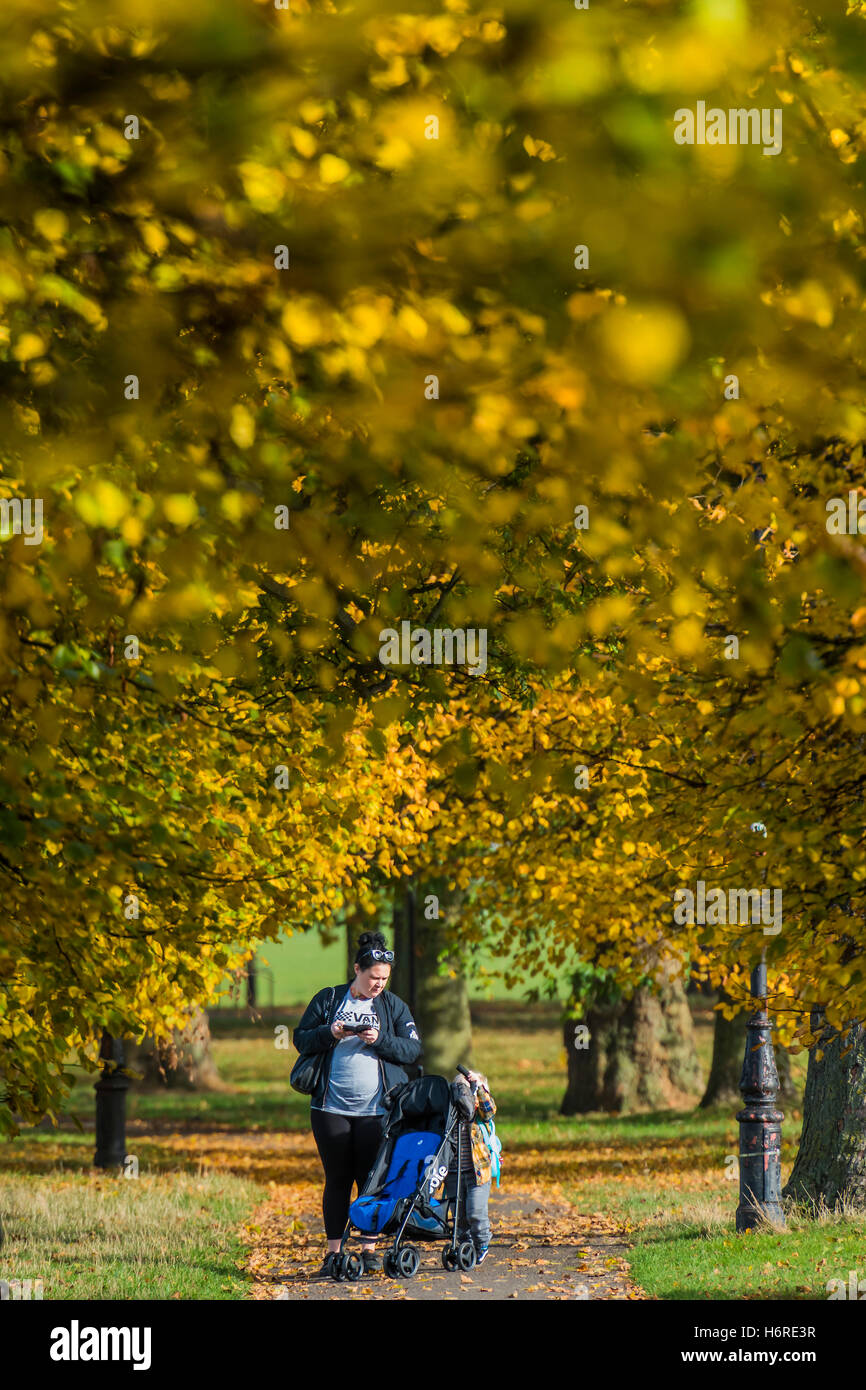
[(301, 964)]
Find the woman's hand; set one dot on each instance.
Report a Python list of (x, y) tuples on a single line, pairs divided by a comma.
[(338, 1031), (369, 1035)]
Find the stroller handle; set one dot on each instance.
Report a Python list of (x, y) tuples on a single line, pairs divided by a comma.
[(464, 1070)]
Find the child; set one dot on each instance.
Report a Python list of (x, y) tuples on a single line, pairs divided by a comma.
[(475, 1106)]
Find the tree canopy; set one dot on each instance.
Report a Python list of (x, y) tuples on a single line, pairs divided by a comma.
[(322, 320)]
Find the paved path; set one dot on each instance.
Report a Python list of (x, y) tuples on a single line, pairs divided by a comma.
[(541, 1249)]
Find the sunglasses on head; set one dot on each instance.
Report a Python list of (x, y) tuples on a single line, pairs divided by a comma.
[(378, 955)]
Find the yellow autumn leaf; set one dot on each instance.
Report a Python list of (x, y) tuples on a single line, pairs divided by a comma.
[(412, 322), (232, 505), (332, 169), (180, 509), (132, 530), (242, 427), (28, 346), (51, 223), (154, 238), (538, 149), (687, 637), (644, 344), (103, 504), (263, 187), (303, 324), (450, 317), (368, 321), (812, 303), (304, 141), (394, 154)]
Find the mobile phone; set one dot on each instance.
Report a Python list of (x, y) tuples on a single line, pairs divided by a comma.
[(356, 1027)]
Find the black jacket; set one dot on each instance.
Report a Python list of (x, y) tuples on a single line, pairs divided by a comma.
[(398, 1039)]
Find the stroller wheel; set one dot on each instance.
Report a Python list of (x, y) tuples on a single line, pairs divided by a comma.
[(449, 1258), (466, 1255), (408, 1261), (338, 1268), (389, 1264), (354, 1267)]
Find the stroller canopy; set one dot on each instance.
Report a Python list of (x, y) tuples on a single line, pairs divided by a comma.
[(420, 1104)]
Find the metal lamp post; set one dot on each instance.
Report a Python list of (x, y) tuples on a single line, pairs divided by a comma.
[(111, 1089), (759, 1120)]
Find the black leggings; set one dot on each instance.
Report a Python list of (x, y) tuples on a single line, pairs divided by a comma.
[(347, 1146)]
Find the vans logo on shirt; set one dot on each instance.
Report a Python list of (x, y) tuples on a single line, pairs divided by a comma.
[(368, 1020)]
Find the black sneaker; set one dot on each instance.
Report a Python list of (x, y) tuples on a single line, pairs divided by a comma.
[(372, 1261), (326, 1272)]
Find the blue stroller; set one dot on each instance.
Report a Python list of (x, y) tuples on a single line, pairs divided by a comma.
[(421, 1137)]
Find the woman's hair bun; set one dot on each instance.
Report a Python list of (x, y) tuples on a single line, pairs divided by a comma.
[(371, 941)]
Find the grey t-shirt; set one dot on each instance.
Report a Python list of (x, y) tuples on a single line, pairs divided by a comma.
[(355, 1082)]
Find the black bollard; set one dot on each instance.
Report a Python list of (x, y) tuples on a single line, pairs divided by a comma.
[(760, 1122), (111, 1091)]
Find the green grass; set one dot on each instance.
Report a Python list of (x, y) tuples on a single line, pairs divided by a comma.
[(158, 1236), (303, 963), (660, 1176), (258, 1094), (691, 1252)]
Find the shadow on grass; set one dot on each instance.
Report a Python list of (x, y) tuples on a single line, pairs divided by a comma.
[(281, 1167)]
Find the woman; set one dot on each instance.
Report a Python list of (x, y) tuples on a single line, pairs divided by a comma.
[(366, 1034)]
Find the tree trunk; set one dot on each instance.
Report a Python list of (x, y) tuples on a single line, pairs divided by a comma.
[(640, 1053), (439, 1004), (186, 1062), (830, 1166), (729, 1039), (357, 922), (787, 1088)]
